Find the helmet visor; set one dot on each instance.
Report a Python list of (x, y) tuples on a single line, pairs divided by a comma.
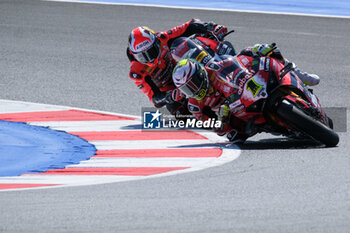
[(196, 87), (148, 55)]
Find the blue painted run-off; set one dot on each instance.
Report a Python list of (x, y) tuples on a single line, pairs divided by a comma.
[(313, 7), (31, 149)]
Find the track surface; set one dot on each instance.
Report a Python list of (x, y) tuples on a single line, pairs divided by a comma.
[(74, 54)]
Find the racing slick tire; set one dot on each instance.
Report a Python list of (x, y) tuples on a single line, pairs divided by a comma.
[(306, 124)]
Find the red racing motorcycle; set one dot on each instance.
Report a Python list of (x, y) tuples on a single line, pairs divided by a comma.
[(270, 99)]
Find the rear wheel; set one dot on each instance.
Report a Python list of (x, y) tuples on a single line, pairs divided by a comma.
[(306, 124)]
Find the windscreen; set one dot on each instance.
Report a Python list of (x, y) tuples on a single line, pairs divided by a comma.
[(184, 48)]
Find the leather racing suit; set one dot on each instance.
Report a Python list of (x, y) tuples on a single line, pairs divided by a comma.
[(219, 92)]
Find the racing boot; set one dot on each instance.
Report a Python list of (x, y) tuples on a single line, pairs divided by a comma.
[(236, 138), (307, 79)]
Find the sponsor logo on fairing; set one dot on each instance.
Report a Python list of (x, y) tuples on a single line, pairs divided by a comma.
[(245, 61), (214, 66), (267, 64), (242, 82), (262, 63)]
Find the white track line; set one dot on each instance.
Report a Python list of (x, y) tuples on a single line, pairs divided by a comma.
[(150, 144), (86, 126), (66, 179), (140, 162), (9, 106)]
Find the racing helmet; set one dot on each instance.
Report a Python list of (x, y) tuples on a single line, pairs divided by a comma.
[(191, 78), (144, 44)]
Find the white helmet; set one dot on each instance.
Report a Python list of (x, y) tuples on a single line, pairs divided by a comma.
[(191, 78), (144, 45)]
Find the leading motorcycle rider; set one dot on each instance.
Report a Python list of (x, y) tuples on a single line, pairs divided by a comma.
[(209, 96), (151, 64)]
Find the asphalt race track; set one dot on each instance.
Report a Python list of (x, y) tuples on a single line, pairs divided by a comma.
[(74, 55)]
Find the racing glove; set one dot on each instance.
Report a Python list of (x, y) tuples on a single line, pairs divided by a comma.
[(222, 115), (268, 50), (162, 98), (177, 95), (262, 49), (219, 31)]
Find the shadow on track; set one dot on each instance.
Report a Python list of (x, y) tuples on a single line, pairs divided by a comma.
[(263, 144), (280, 143)]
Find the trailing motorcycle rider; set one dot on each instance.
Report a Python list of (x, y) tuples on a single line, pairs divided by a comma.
[(151, 63)]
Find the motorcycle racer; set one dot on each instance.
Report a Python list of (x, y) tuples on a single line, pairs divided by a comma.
[(151, 64), (207, 92), (211, 94)]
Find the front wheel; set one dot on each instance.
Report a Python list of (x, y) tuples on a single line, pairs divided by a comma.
[(306, 124)]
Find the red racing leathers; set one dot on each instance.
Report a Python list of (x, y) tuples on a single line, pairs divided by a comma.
[(219, 92), (154, 79)]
